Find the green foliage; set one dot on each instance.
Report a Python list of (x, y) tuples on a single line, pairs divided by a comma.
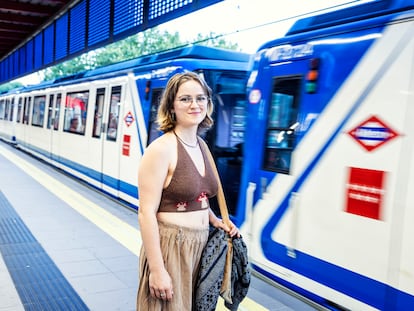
[(76, 65), (147, 42), (144, 43), (9, 86), (216, 41)]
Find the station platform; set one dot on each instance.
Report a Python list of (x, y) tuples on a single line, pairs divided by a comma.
[(65, 246)]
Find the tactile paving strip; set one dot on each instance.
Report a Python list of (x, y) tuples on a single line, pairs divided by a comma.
[(39, 282)]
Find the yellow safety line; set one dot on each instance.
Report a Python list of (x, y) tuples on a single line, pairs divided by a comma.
[(246, 305), (121, 231), (124, 233)]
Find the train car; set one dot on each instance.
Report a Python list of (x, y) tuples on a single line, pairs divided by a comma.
[(325, 199), (95, 125)]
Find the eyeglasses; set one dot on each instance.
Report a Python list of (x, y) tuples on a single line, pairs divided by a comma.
[(200, 100)]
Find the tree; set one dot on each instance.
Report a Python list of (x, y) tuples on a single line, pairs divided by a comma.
[(75, 65), (217, 41), (9, 86), (144, 43)]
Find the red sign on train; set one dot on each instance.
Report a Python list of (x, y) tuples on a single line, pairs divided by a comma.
[(372, 133), (365, 192), (126, 145)]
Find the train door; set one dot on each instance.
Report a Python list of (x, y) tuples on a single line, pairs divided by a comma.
[(274, 116), (96, 141), (52, 125), (13, 111), (110, 136), (27, 107), (19, 116)]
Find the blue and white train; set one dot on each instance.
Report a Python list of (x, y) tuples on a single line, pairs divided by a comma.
[(326, 195), (313, 140), (95, 125)]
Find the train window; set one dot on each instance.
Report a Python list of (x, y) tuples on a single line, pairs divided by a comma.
[(26, 109), (2, 109), (50, 112), (114, 107), (57, 112), (282, 121), (19, 110), (6, 109), (231, 120), (38, 112), (76, 106), (12, 109), (97, 121), (154, 132)]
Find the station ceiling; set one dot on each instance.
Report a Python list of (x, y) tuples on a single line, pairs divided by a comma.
[(36, 34), (20, 19)]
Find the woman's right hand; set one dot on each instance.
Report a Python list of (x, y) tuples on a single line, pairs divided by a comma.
[(161, 285)]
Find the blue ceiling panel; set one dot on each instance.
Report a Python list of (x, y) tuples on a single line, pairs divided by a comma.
[(22, 59), (77, 27), (49, 44), (128, 14), (61, 37), (29, 55), (99, 21), (38, 51)]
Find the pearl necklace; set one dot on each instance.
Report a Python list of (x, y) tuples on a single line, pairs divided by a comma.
[(188, 145)]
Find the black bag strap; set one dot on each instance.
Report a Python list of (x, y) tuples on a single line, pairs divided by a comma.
[(220, 193)]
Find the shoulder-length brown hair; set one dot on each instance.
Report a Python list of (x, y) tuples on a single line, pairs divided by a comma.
[(166, 118)]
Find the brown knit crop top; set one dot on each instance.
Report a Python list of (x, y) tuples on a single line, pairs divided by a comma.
[(189, 191)]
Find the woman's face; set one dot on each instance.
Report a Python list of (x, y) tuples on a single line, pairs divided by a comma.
[(190, 105)]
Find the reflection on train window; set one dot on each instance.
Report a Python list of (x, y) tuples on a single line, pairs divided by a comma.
[(38, 112), (19, 110), (231, 116), (75, 112), (281, 125), (11, 110), (113, 116), (26, 109), (154, 132), (2, 110), (6, 109), (97, 120), (277, 160), (231, 106), (50, 112), (57, 112)]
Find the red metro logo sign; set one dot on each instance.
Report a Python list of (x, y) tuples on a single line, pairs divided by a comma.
[(372, 133)]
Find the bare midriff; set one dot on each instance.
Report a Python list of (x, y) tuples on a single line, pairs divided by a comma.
[(196, 219)]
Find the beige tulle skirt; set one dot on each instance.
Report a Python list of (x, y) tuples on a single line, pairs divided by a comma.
[(181, 248)]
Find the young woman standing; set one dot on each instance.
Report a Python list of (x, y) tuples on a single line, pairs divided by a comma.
[(175, 182)]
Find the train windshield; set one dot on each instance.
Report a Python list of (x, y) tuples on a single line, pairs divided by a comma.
[(226, 139), (282, 121)]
